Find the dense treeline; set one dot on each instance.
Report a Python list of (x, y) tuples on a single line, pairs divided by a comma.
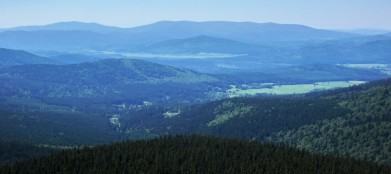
[(192, 154)]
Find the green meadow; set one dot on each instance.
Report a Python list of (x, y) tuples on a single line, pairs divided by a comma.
[(291, 89)]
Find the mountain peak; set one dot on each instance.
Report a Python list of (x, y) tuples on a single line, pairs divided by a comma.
[(69, 26), (74, 24)]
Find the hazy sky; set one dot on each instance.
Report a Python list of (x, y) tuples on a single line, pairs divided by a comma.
[(337, 14)]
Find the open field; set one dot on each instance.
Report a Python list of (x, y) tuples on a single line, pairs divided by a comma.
[(291, 89)]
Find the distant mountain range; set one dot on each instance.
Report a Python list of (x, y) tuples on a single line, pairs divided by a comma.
[(245, 43), (76, 37), (263, 42), (256, 33), (371, 51), (68, 26), (52, 40)]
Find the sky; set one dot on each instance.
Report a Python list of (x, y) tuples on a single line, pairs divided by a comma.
[(326, 14)]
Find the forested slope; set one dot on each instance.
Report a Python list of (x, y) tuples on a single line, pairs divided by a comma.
[(365, 133)]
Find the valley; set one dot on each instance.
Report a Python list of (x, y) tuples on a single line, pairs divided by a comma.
[(307, 98)]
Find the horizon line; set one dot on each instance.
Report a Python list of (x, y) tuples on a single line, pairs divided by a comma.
[(195, 21)]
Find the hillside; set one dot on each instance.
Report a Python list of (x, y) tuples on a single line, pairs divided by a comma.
[(191, 155), (10, 57), (111, 80), (364, 133), (127, 71), (242, 118)]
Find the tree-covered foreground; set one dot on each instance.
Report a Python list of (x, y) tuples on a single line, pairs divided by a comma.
[(191, 154)]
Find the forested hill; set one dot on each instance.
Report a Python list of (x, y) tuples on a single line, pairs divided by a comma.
[(122, 71), (192, 155), (110, 80), (17, 57)]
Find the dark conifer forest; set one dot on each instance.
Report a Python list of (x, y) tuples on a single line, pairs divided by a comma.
[(192, 154)]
